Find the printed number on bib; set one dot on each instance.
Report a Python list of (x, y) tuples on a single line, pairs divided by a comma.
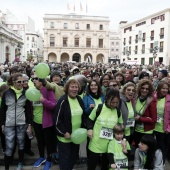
[(121, 162), (130, 122), (106, 133), (140, 125), (36, 103), (159, 118)]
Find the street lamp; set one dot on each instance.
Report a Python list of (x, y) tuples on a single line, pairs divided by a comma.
[(37, 54), (155, 50), (128, 54)]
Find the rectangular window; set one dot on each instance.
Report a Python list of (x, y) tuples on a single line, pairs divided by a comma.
[(136, 49), (77, 26), (112, 43), (100, 43), (162, 17), (117, 50), (27, 38), (152, 35), (65, 42), (150, 61), (136, 39), (65, 26), (117, 43), (144, 37), (100, 27), (129, 50), (52, 41), (143, 48), (124, 49), (52, 25), (161, 46), (76, 42), (161, 33), (88, 26), (130, 39), (32, 39), (124, 42), (142, 60), (88, 42), (151, 47)]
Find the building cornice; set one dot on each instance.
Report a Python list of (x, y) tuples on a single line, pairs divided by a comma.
[(75, 17), (10, 34), (145, 18)]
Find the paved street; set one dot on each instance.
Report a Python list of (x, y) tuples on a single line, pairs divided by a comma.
[(30, 160)]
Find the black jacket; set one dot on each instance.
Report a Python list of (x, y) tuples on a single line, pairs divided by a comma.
[(62, 115)]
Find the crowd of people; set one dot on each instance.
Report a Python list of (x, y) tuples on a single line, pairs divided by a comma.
[(125, 109)]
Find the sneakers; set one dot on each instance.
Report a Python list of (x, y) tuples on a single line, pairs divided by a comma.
[(47, 165), (39, 161), (19, 167)]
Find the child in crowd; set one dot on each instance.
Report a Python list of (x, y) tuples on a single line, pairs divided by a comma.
[(118, 149)]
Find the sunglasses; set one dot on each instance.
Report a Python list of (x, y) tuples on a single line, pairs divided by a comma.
[(19, 82), (113, 85), (35, 78)]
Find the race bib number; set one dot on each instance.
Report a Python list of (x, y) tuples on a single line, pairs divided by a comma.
[(140, 125), (37, 103), (121, 162), (106, 133), (159, 118), (130, 122)]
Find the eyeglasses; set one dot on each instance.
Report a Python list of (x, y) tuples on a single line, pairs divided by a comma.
[(113, 85), (34, 78)]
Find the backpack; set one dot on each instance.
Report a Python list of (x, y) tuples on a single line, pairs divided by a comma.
[(99, 109)]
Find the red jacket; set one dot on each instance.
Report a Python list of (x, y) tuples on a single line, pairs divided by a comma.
[(149, 115)]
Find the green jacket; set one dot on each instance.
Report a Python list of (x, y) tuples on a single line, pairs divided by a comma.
[(56, 88)]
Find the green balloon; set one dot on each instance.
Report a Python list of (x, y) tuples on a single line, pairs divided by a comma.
[(42, 70), (33, 94), (79, 135), (1, 83)]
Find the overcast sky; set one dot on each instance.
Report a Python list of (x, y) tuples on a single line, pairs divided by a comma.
[(116, 10)]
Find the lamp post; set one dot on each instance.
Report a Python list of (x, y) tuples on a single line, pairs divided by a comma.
[(37, 54), (155, 50), (128, 54)]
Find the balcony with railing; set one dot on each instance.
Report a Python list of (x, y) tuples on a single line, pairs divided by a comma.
[(151, 50), (143, 51), (152, 37), (161, 36), (161, 49)]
